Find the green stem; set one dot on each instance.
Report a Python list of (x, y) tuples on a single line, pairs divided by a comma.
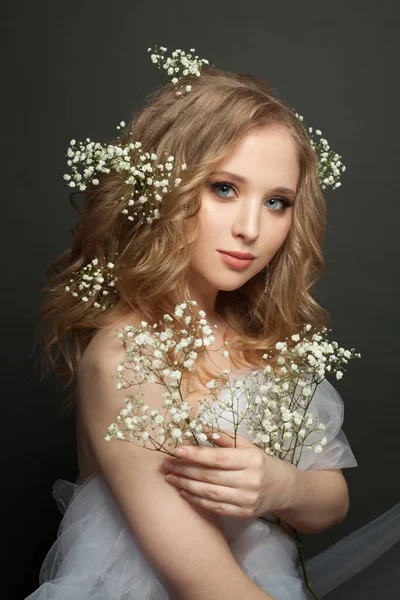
[(300, 549)]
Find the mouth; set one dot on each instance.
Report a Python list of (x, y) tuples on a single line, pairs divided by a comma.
[(234, 261), (244, 255)]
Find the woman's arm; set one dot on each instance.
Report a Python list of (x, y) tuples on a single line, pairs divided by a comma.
[(183, 543), (319, 500)]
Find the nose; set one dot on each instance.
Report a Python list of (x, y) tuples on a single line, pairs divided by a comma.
[(247, 220)]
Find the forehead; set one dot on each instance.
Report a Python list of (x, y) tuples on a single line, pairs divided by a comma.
[(268, 154), (268, 137)]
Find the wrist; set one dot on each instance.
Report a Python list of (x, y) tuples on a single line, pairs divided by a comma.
[(292, 489)]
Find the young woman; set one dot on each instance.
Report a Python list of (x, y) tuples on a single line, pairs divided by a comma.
[(250, 186)]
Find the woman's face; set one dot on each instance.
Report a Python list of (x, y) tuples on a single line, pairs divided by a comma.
[(246, 215)]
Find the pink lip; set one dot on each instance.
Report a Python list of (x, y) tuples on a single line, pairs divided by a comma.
[(234, 261), (238, 254)]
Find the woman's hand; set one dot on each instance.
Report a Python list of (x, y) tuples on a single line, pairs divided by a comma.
[(242, 482)]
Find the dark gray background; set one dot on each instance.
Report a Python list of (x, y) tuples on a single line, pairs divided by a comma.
[(74, 70)]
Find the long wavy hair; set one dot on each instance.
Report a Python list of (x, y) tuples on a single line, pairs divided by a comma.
[(152, 260)]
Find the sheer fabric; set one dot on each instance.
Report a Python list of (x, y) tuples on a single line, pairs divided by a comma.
[(96, 556)]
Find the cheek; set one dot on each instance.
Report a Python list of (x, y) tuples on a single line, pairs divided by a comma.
[(211, 222), (208, 237), (286, 227), (279, 233)]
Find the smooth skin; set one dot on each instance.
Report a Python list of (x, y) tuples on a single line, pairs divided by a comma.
[(248, 216), (184, 543), (248, 211), (177, 534)]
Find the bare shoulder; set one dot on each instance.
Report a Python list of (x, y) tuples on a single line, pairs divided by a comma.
[(99, 402), (105, 346), (99, 399)]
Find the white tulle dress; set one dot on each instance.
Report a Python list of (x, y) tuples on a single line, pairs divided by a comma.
[(96, 556)]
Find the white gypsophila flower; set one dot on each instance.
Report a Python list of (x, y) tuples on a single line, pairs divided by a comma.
[(90, 279), (176, 375), (330, 165), (210, 384), (179, 64), (176, 433), (129, 160), (280, 345)]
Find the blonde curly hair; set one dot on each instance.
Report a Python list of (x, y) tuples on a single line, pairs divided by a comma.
[(151, 261)]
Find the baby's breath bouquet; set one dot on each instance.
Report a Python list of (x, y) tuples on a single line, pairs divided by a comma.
[(148, 351), (277, 398)]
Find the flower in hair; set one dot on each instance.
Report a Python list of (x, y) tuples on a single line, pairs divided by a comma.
[(147, 179), (329, 163), (180, 64), (94, 283)]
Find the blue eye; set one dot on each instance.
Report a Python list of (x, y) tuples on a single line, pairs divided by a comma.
[(217, 184), (223, 184), (286, 203)]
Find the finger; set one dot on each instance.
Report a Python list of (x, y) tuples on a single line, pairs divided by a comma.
[(225, 458), (208, 491), (209, 475), (221, 508)]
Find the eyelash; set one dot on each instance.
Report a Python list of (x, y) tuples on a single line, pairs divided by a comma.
[(286, 202)]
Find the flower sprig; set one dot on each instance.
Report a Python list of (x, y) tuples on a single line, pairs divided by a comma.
[(187, 344), (315, 357), (277, 399), (278, 425), (147, 179), (94, 284), (330, 165), (178, 65)]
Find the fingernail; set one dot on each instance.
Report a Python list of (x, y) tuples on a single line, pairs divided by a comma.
[(180, 452), (167, 466)]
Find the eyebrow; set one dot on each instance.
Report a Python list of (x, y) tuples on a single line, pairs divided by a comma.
[(281, 190)]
